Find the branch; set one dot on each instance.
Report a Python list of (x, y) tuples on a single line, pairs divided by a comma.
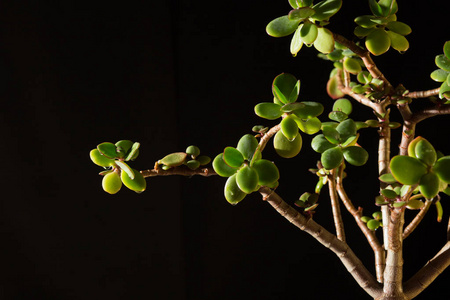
[(181, 170), (442, 109), (337, 216), (417, 219), (425, 276), (409, 128), (423, 94), (352, 263), (369, 234), (268, 135), (366, 58)]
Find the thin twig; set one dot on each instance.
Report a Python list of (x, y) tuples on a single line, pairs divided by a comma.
[(337, 216), (352, 263), (423, 94), (417, 219), (268, 135), (369, 234), (181, 170), (440, 109)]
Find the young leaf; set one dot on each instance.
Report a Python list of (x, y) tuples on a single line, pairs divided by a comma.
[(133, 152), (111, 183), (109, 150), (173, 160), (286, 87), (126, 168)]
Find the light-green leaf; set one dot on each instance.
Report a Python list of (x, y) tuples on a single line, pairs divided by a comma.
[(282, 26)]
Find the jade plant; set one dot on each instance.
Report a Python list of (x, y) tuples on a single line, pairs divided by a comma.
[(411, 177)]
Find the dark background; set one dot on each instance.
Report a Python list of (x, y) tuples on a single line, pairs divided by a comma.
[(169, 74)]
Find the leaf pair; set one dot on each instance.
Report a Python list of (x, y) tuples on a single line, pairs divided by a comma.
[(191, 158), (443, 73), (421, 166)]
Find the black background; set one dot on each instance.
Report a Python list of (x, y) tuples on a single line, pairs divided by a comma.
[(169, 74)]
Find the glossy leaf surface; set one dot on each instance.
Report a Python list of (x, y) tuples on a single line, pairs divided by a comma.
[(378, 42), (247, 179), (326, 9), (221, 168), (355, 155), (232, 192), (442, 168), (99, 159), (286, 148), (289, 127), (320, 144), (109, 150), (138, 184), (111, 183), (332, 158), (429, 185), (282, 26), (324, 42), (247, 146), (267, 110), (267, 172), (233, 157), (407, 170), (173, 159)]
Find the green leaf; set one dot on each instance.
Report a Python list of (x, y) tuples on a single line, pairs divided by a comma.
[(365, 22), (343, 105), (442, 168), (133, 152), (442, 62), (193, 164), (390, 194), (203, 160), (398, 42), (447, 49), (173, 159), (282, 26), (352, 65), (399, 27), (232, 192), (291, 107), (247, 146), (439, 75), (193, 151), (373, 224), (233, 157), (388, 178), (355, 155), (267, 110), (267, 172), (378, 42), (123, 147), (126, 168), (221, 168), (286, 148), (331, 134), (247, 179), (415, 204), (289, 127), (109, 150), (138, 184), (439, 210), (320, 144), (287, 86), (310, 109), (333, 88), (100, 160), (324, 42), (301, 13), (346, 129), (388, 7), (407, 170), (111, 183), (332, 158), (326, 9), (429, 185), (375, 8), (337, 116), (308, 32), (308, 126), (362, 32), (444, 90), (425, 152), (364, 77), (296, 42)]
